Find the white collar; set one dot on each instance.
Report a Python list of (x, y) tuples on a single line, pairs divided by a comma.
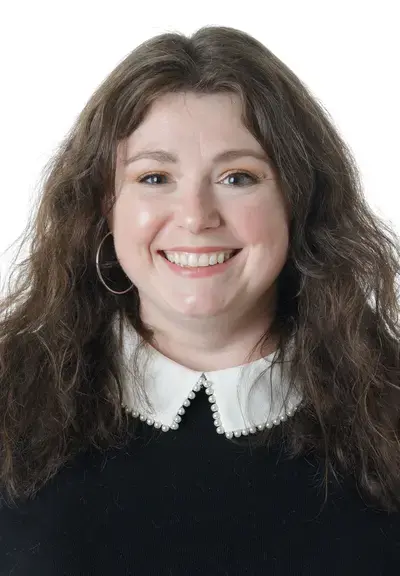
[(170, 387)]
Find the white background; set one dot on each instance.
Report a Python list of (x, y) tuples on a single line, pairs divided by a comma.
[(54, 54)]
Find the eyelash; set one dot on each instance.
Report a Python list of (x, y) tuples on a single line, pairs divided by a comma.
[(255, 178)]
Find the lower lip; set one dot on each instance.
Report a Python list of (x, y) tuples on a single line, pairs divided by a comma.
[(199, 271)]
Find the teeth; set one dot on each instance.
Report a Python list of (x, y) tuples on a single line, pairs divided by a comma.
[(195, 260)]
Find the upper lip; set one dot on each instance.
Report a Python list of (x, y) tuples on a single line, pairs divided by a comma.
[(199, 249)]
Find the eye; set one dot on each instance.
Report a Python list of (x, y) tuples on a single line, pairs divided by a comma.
[(253, 179), (143, 179)]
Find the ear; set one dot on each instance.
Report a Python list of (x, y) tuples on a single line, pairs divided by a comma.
[(108, 214)]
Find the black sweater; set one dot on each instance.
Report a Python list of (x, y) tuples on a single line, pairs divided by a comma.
[(190, 502)]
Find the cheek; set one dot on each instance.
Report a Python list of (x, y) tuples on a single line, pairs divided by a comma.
[(136, 222), (263, 225)]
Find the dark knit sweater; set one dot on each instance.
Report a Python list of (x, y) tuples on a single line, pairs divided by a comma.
[(190, 502)]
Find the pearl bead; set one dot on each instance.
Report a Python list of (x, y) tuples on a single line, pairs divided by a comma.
[(207, 385)]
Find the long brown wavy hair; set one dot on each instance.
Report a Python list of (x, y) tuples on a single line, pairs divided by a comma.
[(60, 384)]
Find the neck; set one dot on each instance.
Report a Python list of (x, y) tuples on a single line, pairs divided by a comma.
[(213, 343)]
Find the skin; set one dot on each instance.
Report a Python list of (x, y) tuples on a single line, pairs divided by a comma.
[(202, 323)]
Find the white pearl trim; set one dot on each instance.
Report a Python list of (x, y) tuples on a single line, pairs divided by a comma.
[(207, 385)]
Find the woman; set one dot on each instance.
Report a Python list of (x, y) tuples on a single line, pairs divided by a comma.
[(200, 365)]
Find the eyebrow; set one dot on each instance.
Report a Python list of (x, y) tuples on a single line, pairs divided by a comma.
[(164, 156)]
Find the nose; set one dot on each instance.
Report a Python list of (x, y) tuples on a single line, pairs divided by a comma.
[(198, 210)]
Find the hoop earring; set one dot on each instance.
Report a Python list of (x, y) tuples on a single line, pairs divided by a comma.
[(99, 273)]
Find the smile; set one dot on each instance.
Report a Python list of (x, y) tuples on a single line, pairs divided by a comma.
[(195, 260), (199, 265)]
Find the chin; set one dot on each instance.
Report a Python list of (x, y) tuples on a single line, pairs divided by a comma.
[(197, 311)]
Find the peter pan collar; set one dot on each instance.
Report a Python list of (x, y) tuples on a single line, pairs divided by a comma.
[(171, 387)]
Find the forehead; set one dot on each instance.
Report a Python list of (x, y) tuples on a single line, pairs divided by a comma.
[(187, 119)]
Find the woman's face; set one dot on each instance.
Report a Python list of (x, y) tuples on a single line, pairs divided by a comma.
[(197, 200)]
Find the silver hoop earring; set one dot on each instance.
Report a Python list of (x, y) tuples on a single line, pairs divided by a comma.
[(99, 273)]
